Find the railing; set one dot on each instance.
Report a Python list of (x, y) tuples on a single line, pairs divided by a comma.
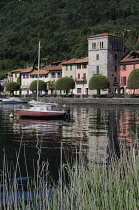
[(81, 81)]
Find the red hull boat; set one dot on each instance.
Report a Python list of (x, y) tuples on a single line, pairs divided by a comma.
[(49, 110)]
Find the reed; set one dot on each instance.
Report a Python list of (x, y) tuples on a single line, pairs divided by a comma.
[(91, 186)]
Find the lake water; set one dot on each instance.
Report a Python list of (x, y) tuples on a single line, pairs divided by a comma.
[(99, 132)]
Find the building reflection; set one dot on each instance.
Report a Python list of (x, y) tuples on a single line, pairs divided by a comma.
[(101, 133), (129, 129)]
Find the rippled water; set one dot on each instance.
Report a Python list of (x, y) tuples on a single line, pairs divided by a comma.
[(100, 132)]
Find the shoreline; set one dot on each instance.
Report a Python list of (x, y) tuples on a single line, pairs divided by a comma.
[(95, 101)]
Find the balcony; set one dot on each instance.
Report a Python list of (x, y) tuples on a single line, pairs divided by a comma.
[(24, 86), (81, 81)]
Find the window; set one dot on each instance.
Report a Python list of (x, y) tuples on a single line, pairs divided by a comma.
[(53, 75), (79, 90), (59, 74), (115, 68), (97, 56), (124, 68), (93, 45), (78, 76), (101, 45), (97, 69), (84, 66), (66, 68), (71, 67), (78, 66), (123, 81), (115, 56), (84, 76), (115, 79), (15, 75)]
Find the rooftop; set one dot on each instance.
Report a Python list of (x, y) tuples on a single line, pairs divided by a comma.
[(104, 34), (131, 57)]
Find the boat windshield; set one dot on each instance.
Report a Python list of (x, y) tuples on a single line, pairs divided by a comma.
[(53, 107)]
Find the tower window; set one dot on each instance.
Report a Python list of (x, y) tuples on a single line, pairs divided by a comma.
[(101, 45), (93, 45), (97, 56), (97, 69)]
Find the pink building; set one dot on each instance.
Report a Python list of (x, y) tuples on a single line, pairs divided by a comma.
[(127, 64)]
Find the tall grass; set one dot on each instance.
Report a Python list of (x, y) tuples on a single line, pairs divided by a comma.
[(91, 186)]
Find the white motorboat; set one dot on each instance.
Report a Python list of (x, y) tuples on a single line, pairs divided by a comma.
[(11, 100)]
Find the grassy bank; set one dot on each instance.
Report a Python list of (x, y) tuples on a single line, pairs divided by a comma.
[(91, 186)]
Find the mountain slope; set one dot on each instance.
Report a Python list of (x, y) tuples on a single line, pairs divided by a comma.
[(62, 26)]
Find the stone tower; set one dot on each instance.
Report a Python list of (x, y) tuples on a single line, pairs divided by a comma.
[(104, 53)]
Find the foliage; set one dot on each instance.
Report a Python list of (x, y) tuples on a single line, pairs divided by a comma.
[(65, 83), (90, 184), (133, 79), (12, 86), (51, 85), (98, 82), (19, 80), (1, 88), (62, 27), (41, 85)]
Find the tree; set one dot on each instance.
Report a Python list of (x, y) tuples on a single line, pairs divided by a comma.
[(12, 86), (19, 80), (133, 80), (1, 88), (51, 86), (41, 85), (98, 82), (65, 83)]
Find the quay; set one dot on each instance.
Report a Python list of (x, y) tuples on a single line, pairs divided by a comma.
[(93, 101)]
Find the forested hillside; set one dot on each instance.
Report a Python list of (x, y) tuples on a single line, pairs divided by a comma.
[(62, 26)]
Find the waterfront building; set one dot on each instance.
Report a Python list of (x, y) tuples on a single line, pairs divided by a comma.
[(104, 54), (107, 56), (127, 64), (78, 70)]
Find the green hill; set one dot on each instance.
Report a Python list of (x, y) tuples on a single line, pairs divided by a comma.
[(62, 26)]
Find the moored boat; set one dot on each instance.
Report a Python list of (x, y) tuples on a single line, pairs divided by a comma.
[(11, 100), (36, 103), (42, 109), (49, 110)]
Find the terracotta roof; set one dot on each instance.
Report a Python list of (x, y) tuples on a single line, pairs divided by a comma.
[(17, 70), (9, 73), (54, 67), (35, 72), (58, 67), (56, 62), (83, 60), (72, 61), (104, 34), (29, 69), (46, 67), (131, 57)]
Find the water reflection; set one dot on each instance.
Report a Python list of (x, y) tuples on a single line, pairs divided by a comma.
[(101, 133)]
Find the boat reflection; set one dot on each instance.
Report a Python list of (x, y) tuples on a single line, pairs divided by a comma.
[(39, 125)]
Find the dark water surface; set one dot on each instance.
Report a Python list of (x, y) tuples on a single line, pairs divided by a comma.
[(100, 132)]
